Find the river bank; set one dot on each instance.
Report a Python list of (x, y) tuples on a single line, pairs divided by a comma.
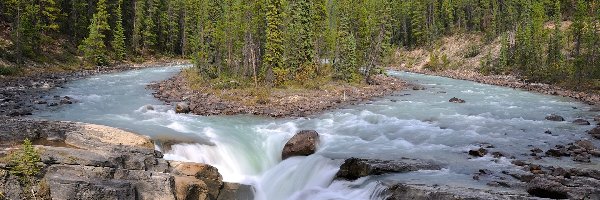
[(277, 103), (506, 81), (23, 95)]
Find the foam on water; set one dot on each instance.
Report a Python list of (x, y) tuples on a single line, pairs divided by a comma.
[(413, 124)]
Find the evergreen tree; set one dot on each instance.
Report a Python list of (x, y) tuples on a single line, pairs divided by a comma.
[(554, 58), (118, 42), (93, 46), (274, 70)]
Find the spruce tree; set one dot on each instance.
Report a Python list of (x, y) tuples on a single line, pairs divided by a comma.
[(93, 46), (554, 58), (273, 68), (118, 43)]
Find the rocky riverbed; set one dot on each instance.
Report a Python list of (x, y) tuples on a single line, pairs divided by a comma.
[(279, 103), (508, 81), (23, 95)]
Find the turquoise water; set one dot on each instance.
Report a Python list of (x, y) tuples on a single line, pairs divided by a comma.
[(413, 124)]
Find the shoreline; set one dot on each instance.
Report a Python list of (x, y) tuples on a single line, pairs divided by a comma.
[(281, 103), (23, 95), (508, 81)]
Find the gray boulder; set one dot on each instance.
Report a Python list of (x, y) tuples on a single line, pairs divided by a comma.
[(182, 108), (304, 143), (582, 122), (554, 117)]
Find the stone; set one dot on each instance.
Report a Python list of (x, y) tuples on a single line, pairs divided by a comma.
[(182, 108), (418, 87), (456, 100), (478, 152), (545, 188), (304, 143), (554, 117), (354, 168), (585, 144), (595, 132), (582, 122), (187, 187), (208, 174), (236, 191)]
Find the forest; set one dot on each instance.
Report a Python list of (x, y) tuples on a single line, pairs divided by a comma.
[(279, 42)]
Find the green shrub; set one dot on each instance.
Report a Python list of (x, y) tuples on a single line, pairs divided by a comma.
[(472, 51), (261, 95), (24, 164), (8, 70)]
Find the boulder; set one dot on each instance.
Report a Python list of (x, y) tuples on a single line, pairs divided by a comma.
[(478, 152), (581, 122), (456, 100), (209, 175), (418, 87), (182, 108), (545, 188), (304, 143), (554, 117), (354, 168), (595, 132), (231, 191)]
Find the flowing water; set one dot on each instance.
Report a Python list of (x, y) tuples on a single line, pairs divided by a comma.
[(413, 124)]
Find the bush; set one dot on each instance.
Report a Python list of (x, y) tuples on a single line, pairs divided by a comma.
[(261, 95), (8, 70), (25, 165), (472, 51)]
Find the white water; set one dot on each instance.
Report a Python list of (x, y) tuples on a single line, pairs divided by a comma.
[(414, 124)]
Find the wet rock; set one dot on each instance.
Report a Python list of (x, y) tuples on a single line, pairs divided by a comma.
[(66, 100), (581, 122), (231, 191), (545, 188), (478, 152), (595, 132), (583, 157), (558, 151), (402, 191), (554, 117), (418, 87), (182, 108), (498, 154), (518, 163), (585, 144), (548, 132), (149, 107), (456, 100), (536, 150), (354, 168), (304, 143)]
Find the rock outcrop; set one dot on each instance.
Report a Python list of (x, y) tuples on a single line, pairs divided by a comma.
[(354, 168), (304, 143), (98, 162)]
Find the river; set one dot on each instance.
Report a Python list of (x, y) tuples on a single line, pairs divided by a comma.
[(415, 124)]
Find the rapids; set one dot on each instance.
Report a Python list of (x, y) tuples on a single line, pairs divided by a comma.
[(413, 124)]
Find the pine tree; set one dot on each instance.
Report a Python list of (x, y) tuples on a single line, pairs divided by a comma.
[(93, 46), (273, 68), (118, 43), (554, 58)]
